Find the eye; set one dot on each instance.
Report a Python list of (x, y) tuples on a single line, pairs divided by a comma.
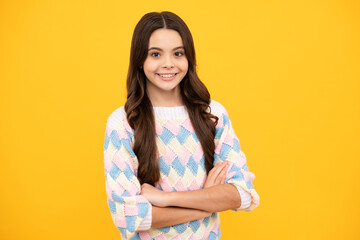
[(154, 54), (179, 54)]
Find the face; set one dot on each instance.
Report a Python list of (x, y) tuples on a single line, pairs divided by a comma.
[(166, 64)]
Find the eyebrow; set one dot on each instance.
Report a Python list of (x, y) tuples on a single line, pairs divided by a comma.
[(159, 49)]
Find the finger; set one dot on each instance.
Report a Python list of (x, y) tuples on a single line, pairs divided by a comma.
[(224, 174), (223, 179), (218, 167), (220, 174), (213, 174), (214, 171)]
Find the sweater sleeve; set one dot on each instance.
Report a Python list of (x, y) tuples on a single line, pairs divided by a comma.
[(130, 211), (227, 148)]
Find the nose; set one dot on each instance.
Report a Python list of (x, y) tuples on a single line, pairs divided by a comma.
[(168, 62)]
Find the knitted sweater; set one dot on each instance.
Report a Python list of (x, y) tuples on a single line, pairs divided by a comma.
[(182, 168)]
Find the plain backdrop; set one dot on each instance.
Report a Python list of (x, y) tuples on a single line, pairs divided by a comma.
[(286, 71)]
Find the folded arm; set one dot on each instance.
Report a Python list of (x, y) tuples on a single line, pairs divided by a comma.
[(214, 197), (168, 216)]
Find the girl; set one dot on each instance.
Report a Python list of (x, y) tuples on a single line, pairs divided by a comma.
[(172, 159)]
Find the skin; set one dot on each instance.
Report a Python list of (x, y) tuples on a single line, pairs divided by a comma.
[(166, 55), (167, 216), (170, 208)]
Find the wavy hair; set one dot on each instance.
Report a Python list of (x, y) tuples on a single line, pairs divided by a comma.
[(139, 109)]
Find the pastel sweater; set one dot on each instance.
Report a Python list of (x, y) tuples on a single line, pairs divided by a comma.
[(182, 168)]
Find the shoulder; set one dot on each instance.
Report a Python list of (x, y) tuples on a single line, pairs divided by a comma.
[(220, 111), (217, 108), (116, 119)]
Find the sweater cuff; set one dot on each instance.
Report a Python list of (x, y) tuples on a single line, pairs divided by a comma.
[(146, 223), (245, 197)]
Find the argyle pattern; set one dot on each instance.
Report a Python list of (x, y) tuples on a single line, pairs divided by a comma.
[(182, 168)]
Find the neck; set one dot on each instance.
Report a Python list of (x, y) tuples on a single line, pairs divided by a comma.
[(170, 98)]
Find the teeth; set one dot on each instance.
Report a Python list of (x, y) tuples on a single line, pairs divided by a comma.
[(167, 75)]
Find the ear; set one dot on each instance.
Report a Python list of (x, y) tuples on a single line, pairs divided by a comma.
[(141, 67)]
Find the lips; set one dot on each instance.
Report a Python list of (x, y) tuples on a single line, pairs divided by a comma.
[(166, 76)]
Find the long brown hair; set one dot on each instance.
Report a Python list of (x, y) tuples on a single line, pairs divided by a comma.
[(139, 109)]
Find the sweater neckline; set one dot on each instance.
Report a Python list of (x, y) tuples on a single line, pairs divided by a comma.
[(170, 112)]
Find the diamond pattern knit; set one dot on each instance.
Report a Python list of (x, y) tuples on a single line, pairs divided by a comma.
[(182, 168)]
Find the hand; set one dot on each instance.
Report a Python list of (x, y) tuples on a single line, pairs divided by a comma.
[(155, 196), (217, 175)]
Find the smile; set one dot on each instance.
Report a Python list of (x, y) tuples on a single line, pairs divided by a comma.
[(168, 76)]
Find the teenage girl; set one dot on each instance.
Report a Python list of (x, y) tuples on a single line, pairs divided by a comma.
[(172, 159)]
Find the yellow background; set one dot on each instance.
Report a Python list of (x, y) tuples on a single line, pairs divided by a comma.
[(287, 72)]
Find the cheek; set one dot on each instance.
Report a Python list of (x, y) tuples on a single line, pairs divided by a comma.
[(149, 66), (184, 65)]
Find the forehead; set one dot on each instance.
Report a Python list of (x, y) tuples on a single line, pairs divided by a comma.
[(165, 38)]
